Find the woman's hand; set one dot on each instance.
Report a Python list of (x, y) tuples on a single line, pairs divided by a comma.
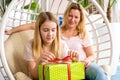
[(45, 57), (74, 55), (86, 62), (8, 32)]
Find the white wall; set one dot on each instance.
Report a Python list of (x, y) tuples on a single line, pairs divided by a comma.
[(115, 32)]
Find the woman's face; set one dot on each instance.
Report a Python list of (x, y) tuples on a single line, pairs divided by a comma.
[(48, 32), (73, 18)]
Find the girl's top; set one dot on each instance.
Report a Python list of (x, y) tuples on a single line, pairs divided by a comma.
[(28, 50), (76, 43)]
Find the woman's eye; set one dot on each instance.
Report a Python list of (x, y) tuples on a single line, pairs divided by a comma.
[(70, 15), (76, 17)]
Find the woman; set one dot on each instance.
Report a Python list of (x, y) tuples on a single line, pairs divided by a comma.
[(74, 33)]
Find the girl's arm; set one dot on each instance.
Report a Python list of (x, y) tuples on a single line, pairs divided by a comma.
[(32, 64), (33, 69), (20, 28)]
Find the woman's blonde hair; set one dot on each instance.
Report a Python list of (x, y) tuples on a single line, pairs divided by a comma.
[(37, 42), (81, 26)]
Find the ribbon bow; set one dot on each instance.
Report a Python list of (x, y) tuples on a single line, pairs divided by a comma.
[(58, 60), (66, 59)]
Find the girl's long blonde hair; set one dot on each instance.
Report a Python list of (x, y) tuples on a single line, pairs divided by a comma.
[(81, 31), (38, 43)]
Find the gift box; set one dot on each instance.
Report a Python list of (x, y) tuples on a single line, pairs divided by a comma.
[(62, 71)]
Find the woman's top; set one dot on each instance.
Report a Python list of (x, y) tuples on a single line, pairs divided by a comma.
[(28, 50), (76, 43)]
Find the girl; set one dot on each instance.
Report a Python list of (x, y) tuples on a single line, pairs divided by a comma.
[(46, 44)]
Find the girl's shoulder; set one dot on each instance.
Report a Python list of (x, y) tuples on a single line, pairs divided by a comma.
[(62, 42), (29, 43), (64, 45)]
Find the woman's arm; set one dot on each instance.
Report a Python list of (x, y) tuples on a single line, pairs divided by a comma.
[(20, 28), (90, 55)]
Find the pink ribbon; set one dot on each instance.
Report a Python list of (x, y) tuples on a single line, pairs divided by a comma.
[(65, 59)]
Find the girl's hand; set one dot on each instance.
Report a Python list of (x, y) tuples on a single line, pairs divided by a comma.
[(87, 62), (45, 57), (74, 55)]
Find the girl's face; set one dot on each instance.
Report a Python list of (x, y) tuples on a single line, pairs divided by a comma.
[(73, 18), (48, 32)]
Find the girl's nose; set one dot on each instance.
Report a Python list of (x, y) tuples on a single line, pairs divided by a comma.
[(50, 32)]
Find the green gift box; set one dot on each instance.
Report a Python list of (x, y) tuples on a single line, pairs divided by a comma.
[(66, 71)]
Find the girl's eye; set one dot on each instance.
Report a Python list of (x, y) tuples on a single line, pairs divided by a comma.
[(53, 30), (45, 30)]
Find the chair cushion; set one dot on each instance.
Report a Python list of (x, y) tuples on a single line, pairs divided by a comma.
[(14, 50), (21, 76)]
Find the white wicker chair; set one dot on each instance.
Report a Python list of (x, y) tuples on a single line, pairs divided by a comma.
[(16, 15)]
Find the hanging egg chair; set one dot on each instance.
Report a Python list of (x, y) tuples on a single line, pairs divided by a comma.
[(13, 66)]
